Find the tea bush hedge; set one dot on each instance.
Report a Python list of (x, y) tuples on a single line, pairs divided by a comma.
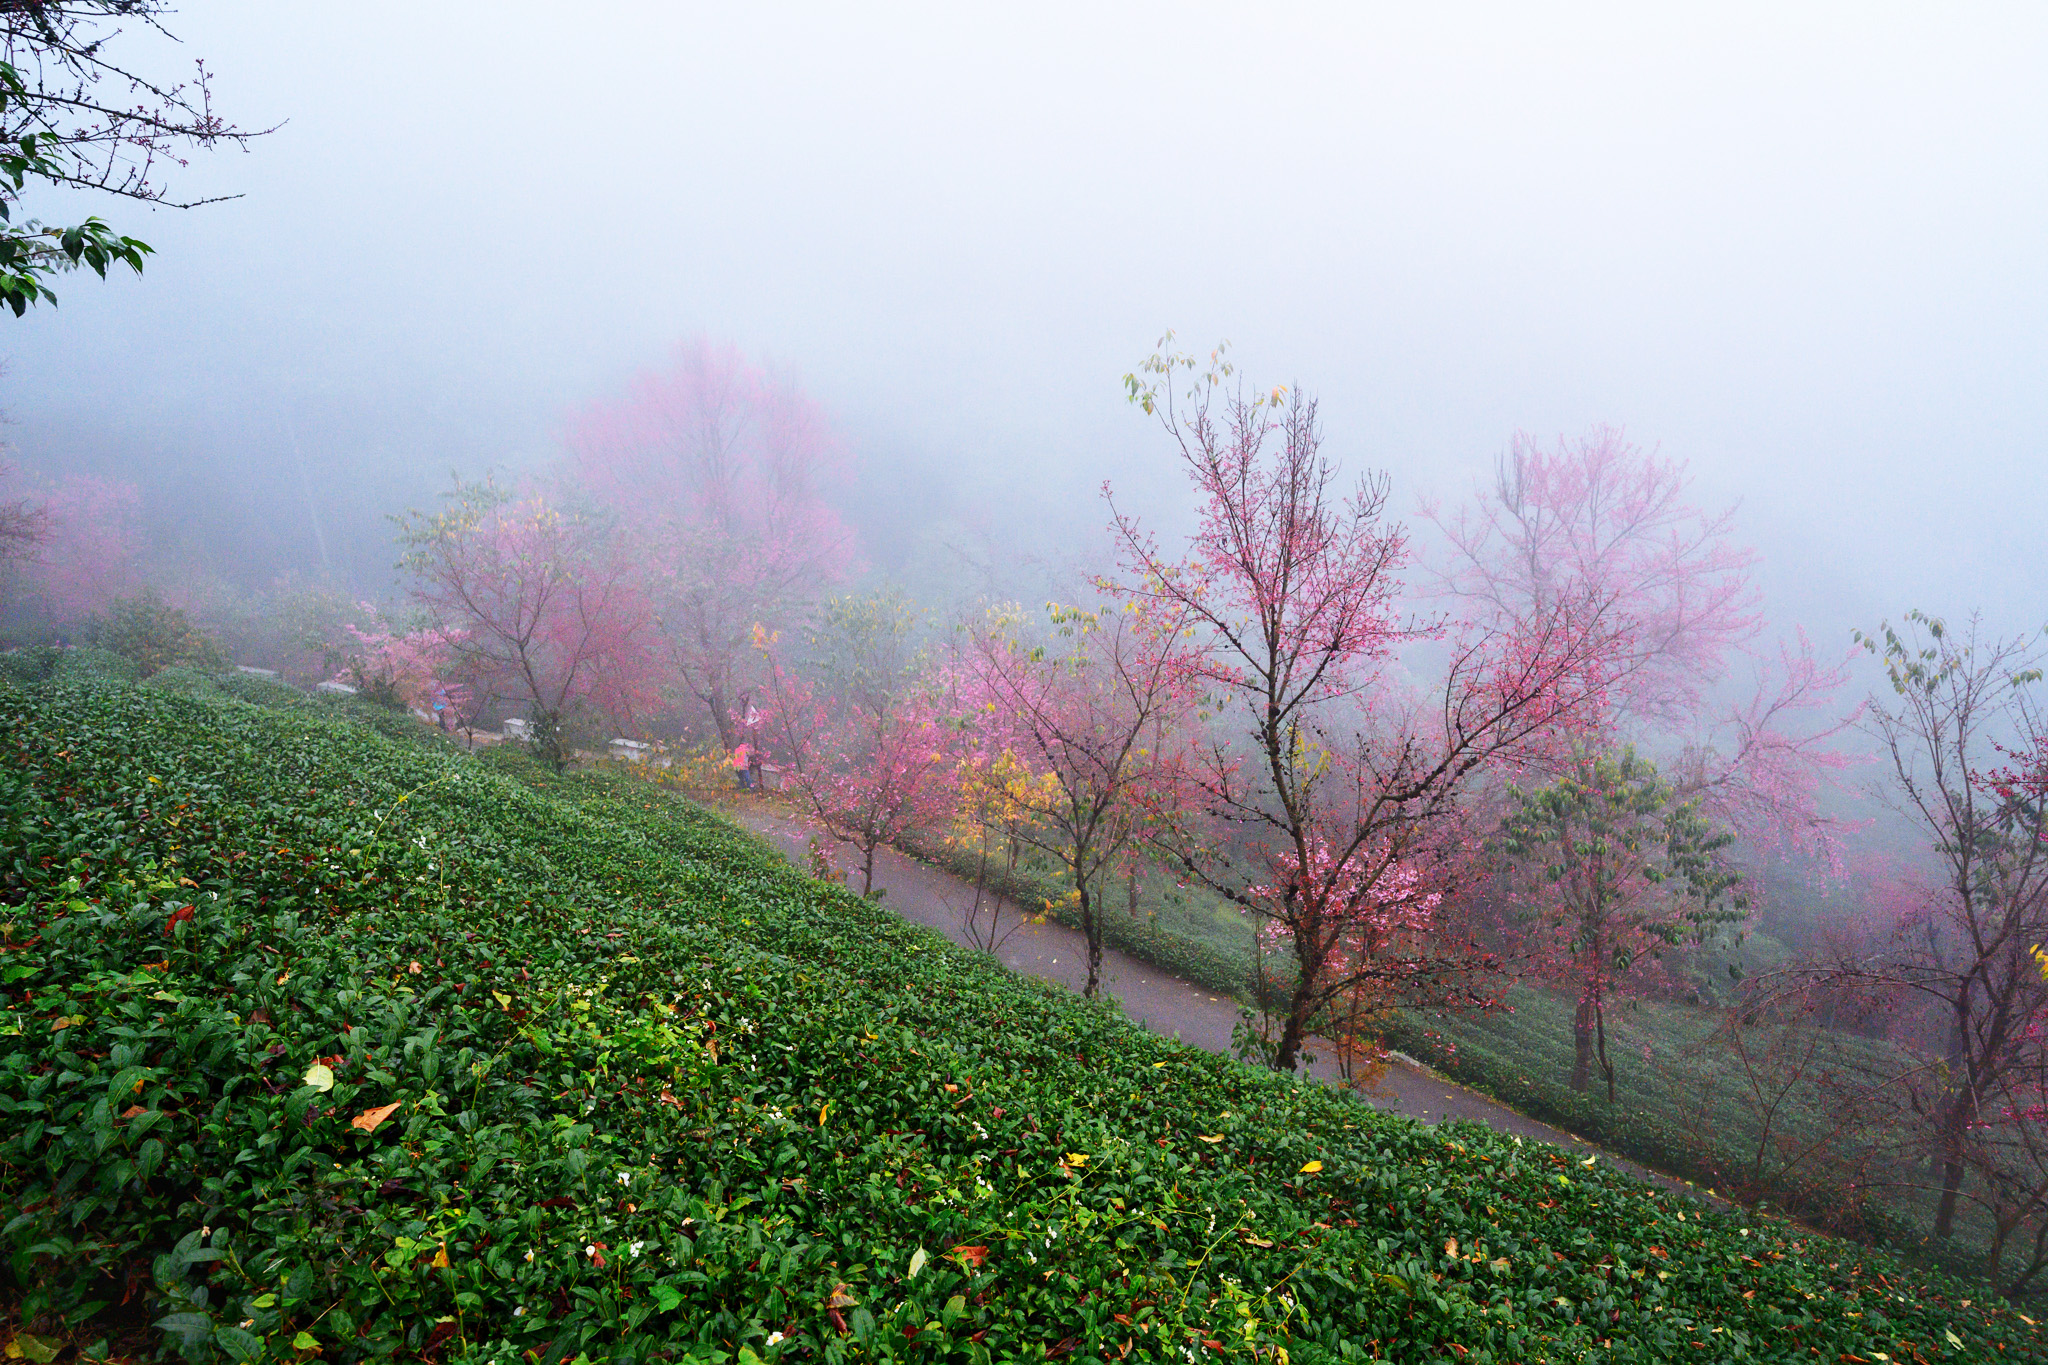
[(319, 1043)]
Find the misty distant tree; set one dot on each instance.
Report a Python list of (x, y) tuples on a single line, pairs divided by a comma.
[(87, 549), (24, 524), (715, 472), (533, 599), (1610, 866), (73, 115), (1670, 596), (1967, 739)]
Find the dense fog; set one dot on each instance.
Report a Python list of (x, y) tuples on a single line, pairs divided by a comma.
[(1793, 250), (1768, 282)]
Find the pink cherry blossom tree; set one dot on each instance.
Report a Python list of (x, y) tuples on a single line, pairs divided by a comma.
[(1966, 736), (397, 667), (89, 551), (717, 473), (1670, 596), (530, 595), (1331, 790), (866, 747), (1093, 713)]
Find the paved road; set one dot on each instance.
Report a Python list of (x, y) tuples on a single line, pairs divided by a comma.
[(1165, 1004)]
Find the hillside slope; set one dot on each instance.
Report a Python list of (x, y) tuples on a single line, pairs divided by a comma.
[(592, 1073)]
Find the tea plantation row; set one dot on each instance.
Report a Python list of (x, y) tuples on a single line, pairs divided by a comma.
[(321, 1045)]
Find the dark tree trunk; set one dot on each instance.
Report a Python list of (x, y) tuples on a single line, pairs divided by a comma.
[(721, 716), (1606, 1067), (1300, 1008), (1582, 1041), (1953, 1125), (1091, 927)]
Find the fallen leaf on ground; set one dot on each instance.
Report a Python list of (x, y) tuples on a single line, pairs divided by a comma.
[(370, 1118)]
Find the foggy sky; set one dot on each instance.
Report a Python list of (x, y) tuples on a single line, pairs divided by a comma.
[(1802, 250)]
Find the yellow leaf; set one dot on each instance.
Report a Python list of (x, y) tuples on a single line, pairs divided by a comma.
[(1311, 1168), (1451, 1248), (824, 1113), (440, 1261), (1077, 1158), (1210, 1137), (1589, 1161), (320, 1077)]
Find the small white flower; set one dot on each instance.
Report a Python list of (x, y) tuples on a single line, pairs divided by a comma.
[(775, 1338), (590, 1250), (625, 1178), (634, 1250), (520, 1311), (529, 1255), (248, 1322)]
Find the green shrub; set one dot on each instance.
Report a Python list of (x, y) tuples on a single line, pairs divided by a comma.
[(154, 635), (316, 1042)]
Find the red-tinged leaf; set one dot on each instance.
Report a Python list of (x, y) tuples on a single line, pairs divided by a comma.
[(560, 1201), (178, 917), (132, 1110), (370, 1118), (969, 1256)]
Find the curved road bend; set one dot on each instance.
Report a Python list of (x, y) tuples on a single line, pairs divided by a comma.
[(1165, 1004)]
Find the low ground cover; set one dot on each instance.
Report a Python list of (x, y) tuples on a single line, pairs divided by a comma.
[(1685, 1102), (318, 1042)]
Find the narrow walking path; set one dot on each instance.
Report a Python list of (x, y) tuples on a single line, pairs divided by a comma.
[(1165, 1004)]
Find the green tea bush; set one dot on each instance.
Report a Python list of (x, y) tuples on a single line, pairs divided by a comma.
[(154, 635), (315, 1043)]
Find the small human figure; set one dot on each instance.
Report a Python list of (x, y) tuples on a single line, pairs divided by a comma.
[(755, 762), (742, 759)]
